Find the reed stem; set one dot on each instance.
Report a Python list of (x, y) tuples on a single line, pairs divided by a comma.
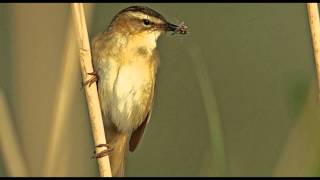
[(91, 92)]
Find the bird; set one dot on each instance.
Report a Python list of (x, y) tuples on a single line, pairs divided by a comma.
[(125, 62)]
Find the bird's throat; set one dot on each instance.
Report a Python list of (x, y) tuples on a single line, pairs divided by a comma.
[(144, 42)]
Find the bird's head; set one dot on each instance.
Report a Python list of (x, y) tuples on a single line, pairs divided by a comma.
[(143, 21)]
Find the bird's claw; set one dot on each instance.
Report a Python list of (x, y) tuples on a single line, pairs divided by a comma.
[(103, 153), (92, 80)]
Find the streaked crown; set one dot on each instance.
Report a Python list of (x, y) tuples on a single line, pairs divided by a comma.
[(135, 19)]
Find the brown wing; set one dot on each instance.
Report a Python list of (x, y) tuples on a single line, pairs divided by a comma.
[(138, 133)]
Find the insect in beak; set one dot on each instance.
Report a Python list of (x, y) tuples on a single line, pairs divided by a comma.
[(180, 29)]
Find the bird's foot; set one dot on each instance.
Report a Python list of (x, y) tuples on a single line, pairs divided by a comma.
[(92, 80), (104, 152)]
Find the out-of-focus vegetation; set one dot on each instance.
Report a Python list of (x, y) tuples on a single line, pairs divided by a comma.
[(237, 96)]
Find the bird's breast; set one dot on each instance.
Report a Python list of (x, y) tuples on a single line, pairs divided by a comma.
[(130, 90)]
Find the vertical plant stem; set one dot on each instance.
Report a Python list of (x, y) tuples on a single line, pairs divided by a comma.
[(211, 108), (315, 33), (11, 150), (91, 92), (63, 101)]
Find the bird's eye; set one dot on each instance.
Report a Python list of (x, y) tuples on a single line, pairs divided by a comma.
[(146, 22)]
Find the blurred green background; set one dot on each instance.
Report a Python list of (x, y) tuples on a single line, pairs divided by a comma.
[(237, 96)]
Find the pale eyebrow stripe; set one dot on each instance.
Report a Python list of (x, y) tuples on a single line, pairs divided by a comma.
[(140, 15)]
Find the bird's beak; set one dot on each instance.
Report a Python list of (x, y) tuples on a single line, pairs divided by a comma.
[(171, 27), (181, 29)]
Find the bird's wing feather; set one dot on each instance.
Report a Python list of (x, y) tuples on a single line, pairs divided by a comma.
[(138, 133)]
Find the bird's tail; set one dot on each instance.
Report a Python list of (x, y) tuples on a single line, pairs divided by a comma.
[(119, 143)]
